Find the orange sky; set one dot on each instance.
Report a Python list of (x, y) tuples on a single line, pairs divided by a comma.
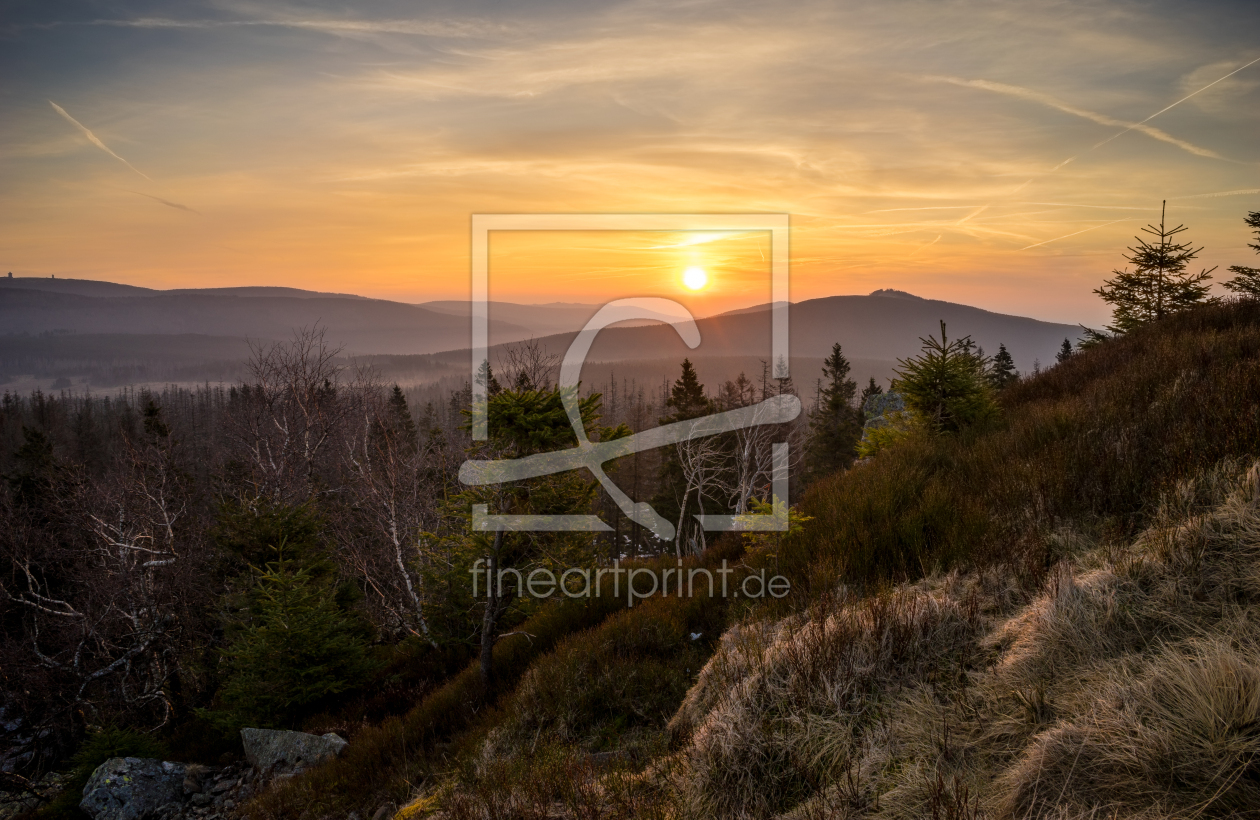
[(956, 150)]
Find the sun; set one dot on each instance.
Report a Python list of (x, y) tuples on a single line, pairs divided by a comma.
[(695, 278)]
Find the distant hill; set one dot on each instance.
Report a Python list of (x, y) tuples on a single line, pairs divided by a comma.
[(388, 327), (542, 320), (112, 333), (361, 325), (92, 287), (882, 327)]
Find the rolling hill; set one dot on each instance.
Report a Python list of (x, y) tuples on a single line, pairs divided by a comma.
[(881, 327), (114, 334), (361, 325)]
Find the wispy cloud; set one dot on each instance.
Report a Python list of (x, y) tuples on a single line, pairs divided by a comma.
[(92, 138), (1075, 233), (925, 208), (426, 28), (925, 246), (1218, 193), (1142, 124), (1093, 116), (168, 202)]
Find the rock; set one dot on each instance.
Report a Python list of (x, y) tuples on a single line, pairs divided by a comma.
[(131, 788), (194, 778), (170, 811), (385, 812), (276, 749), (18, 805)]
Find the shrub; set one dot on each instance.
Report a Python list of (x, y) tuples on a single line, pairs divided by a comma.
[(887, 422), (297, 649), (1084, 445), (946, 386)]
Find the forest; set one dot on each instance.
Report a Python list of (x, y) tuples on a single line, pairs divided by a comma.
[(190, 561)]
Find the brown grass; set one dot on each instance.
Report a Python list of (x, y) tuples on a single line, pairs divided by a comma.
[(1127, 686)]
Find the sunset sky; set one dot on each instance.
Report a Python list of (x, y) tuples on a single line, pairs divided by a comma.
[(1000, 154)]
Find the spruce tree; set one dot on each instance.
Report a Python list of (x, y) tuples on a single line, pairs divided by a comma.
[(1247, 282), (403, 428), (297, 648), (945, 385), (1065, 352), (1158, 285), (686, 397), (1001, 371), (524, 423), (835, 425), (686, 401), (485, 376)]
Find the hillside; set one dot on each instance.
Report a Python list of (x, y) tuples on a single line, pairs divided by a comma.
[(106, 334), (876, 327), (1046, 618), (542, 320), (361, 325)]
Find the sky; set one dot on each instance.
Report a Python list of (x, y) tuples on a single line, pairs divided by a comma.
[(1000, 154)]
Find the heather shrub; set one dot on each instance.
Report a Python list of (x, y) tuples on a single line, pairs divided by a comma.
[(1083, 446)]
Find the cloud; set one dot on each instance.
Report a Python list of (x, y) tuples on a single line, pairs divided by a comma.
[(1141, 125), (424, 28), (1087, 230), (1219, 193), (92, 138), (1093, 116), (168, 202), (1225, 96)]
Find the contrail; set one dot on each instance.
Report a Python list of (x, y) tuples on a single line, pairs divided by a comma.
[(928, 208), (925, 246), (1218, 193), (93, 139), (1093, 116), (976, 212), (1177, 103), (168, 202), (1106, 207), (1057, 238)]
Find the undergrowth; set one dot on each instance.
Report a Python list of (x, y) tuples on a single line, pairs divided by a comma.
[(1003, 622), (1086, 446)]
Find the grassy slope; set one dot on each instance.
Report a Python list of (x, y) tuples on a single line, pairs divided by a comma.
[(1085, 451), (1127, 685), (1087, 446)]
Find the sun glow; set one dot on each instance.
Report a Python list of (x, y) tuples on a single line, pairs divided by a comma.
[(695, 278)]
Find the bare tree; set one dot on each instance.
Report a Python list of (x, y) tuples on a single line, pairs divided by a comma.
[(106, 615), (701, 461), (395, 493), (287, 416), (528, 366)]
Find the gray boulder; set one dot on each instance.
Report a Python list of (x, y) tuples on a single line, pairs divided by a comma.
[(132, 788), (282, 751)]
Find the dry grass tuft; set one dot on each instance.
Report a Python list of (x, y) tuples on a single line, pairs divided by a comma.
[(1127, 685)]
